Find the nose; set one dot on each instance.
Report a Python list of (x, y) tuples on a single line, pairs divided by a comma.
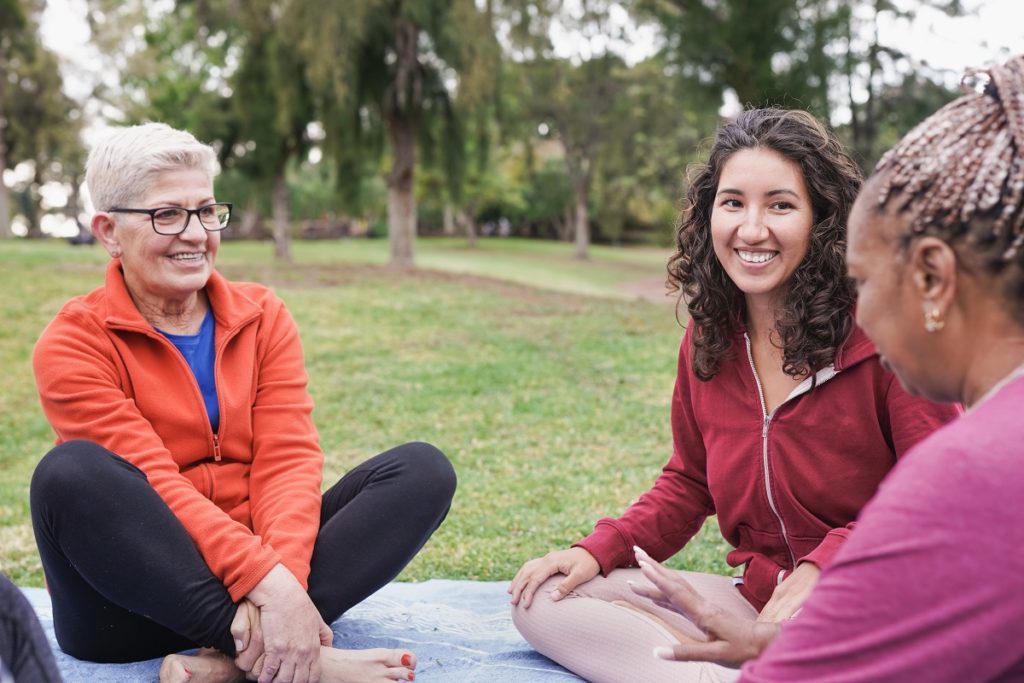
[(752, 229), (194, 230)]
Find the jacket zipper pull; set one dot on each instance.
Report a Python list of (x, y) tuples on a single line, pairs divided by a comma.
[(216, 448)]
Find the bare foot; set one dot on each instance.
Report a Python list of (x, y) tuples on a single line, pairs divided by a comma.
[(209, 666), (366, 666), (356, 666)]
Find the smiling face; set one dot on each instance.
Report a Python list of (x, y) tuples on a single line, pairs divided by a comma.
[(163, 271), (761, 222)]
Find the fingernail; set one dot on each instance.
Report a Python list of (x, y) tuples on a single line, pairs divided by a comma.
[(556, 594), (663, 652), (643, 565), (406, 660), (238, 645)]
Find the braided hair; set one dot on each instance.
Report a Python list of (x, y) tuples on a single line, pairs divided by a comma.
[(959, 176)]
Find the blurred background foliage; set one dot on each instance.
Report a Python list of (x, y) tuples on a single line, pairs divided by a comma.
[(556, 119)]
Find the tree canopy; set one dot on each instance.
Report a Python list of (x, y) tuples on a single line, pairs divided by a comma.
[(401, 117)]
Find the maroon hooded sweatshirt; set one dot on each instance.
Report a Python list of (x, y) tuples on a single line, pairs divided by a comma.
[(786, 486)]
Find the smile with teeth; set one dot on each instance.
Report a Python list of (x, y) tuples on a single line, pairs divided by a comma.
[(757, 256), (187, 257)]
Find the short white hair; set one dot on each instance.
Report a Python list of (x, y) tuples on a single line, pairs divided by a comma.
[(126, 161)]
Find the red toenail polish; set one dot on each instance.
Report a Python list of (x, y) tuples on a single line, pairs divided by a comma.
[(412, 676), (406, 660)]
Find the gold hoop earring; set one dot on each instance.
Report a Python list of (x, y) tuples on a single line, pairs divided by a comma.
[(933, 321)]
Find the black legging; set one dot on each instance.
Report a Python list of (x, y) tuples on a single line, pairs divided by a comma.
[(24, 651), (127, 582)]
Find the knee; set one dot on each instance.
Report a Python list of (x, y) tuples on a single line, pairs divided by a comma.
[(70, 462), (530, 621), (72, 466), (430, 469)]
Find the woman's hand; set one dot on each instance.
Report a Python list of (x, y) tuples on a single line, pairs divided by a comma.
[(789, 596), (578, 565), (248, 635), (732, 640), (292, 629)]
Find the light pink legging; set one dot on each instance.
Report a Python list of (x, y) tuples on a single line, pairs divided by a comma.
[(587, 633)]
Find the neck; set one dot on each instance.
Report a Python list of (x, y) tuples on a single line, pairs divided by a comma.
[(174, 316), (760, 317), (992, 363)]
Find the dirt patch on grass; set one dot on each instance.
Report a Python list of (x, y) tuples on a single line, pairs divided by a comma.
[(651, 289), (308, 276)]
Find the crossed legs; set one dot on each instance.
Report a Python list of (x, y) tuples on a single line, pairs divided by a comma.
[(605, 632), (127, 582)]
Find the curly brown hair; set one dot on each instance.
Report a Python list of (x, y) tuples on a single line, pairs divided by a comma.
[(814, 319)]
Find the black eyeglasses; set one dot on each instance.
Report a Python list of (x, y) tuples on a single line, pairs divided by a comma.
[(173, 220)]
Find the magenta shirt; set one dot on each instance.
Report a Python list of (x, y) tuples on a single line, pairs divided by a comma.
[(930, 586)]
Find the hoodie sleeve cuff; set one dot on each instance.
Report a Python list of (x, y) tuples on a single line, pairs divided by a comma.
[(608, 546), (828, 547)]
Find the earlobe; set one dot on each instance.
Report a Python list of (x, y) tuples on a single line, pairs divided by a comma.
[(102, 226)]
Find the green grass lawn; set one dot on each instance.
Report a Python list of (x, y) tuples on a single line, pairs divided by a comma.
[(544, 380)]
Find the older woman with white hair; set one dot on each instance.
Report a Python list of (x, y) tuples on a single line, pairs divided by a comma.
[(182, 506)]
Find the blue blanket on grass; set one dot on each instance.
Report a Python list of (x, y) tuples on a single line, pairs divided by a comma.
[(461, 631)]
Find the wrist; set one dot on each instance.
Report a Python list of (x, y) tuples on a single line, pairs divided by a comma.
[(266, 589)]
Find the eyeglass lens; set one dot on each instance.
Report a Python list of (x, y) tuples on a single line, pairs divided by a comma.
[(174, 219)]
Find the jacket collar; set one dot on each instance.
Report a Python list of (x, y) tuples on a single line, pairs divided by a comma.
[(855, 349), (231, 307)]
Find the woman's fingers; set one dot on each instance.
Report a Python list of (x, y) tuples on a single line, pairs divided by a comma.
[(717, 651), (241, 627)]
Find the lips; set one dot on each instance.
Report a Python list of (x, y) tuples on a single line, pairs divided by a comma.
[(756, 256)]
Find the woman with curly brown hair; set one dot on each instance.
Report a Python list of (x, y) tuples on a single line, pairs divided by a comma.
[(928, 587), (784, 422)]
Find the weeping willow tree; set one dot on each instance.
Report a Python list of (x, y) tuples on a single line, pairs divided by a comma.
[(407, 73)]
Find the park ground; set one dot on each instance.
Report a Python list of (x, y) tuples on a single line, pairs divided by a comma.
[(546, 380)]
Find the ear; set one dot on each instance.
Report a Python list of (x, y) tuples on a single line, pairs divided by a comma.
[(932, 266), (103, 227)]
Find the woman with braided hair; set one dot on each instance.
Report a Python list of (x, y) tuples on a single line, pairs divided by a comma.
[(772, 369), (928, 587)]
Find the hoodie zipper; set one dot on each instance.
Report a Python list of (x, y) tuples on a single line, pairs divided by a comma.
[(218, 352), (765, 422)]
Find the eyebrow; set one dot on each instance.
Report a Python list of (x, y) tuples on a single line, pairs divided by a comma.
[(170, 204), (770, 193)]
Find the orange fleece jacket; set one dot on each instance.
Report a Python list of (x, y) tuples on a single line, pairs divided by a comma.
[(249, 496)]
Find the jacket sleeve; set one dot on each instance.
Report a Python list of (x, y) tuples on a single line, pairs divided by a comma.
[(905, 420), (664, 519), (287, 464), (80, 388)]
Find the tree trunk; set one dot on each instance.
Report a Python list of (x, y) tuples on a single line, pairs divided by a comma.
[(5, 199), (468, 220), (33, 210), (401, 200), (582, 230), (249, 225), (279, 198), (449, 220)]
